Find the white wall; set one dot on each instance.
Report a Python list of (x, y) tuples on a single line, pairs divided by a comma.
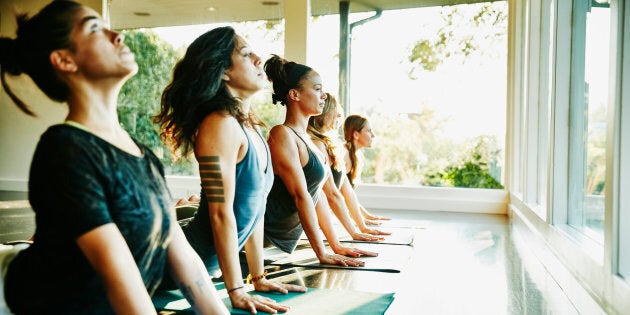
[(19, 133)]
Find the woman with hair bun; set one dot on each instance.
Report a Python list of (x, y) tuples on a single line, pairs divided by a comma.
[(105, 230), (300, 168)]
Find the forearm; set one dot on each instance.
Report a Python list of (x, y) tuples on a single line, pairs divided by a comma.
[(191, 276), (325, 223), (338, 206), (196, 286), (225, 237), (126, 291), (254, 251), (309, 220), (353, 205)]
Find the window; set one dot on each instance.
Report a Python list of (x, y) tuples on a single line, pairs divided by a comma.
[(432, 82), (587, 117)]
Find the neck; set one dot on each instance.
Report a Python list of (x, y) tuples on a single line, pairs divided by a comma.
[(245, 105), (295, 119), (94, 108)]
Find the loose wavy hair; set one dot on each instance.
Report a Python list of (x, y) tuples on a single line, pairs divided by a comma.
[(197, 89), (317, 123)]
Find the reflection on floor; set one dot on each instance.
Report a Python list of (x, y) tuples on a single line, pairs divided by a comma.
[(460, 263)]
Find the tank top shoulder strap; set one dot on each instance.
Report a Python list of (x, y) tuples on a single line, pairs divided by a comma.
[(295, 132)]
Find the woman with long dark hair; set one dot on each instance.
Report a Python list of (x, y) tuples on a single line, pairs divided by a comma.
[(206, 109)]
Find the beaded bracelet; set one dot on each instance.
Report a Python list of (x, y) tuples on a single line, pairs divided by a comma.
[(251, 279), (234, 289)]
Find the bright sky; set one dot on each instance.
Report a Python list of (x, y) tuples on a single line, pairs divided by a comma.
[(473, 96)]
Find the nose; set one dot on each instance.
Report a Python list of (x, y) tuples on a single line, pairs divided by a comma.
[(257, 60), (324, 96), (117, 38)]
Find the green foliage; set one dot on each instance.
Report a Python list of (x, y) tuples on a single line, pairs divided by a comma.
[(271, 114), (461, 36), (139, 99), (476, 170)]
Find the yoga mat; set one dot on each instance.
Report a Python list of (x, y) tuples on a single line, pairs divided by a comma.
[(386, 261), (402, 224), (398, 236), (314, 301)]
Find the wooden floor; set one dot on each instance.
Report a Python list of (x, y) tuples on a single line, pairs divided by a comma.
[(458, 264)]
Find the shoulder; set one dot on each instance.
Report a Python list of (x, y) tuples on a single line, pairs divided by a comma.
[(279, 133), (320, 144), (68, 142), (218, 124)]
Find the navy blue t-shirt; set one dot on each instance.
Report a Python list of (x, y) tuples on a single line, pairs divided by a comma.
[(77, 183)]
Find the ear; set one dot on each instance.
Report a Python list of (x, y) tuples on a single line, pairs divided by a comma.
[(62, 60), (355, 135), (225, 76), (294, 95)]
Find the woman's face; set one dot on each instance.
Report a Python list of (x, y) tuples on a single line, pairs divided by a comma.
[(311, 96), (363, 138), (338, 119), (245, 76), (98, 52), (332, 120)]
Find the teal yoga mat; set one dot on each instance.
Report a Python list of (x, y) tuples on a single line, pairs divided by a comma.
[(314, 301)]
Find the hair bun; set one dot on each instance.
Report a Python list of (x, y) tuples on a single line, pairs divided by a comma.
[(9, 56)]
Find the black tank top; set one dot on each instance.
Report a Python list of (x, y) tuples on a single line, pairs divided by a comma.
[(282, 223)]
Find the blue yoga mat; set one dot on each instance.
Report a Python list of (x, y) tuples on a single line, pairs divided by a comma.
[(314, 301)]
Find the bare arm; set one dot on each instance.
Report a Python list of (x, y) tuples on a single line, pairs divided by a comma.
[(191, 276), (345, 211), (323, 215), (255, 261), (217, 146), (108, 253), (356, 209)]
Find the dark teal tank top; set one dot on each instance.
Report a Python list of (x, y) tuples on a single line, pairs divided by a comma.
[(253, 183), (282, 223), (337, 175)]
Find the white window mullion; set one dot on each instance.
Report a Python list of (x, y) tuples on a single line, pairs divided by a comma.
[(620, 175), (532, 122)]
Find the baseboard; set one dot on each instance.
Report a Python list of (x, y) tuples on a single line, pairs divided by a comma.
[(467, 200), (7, 184)]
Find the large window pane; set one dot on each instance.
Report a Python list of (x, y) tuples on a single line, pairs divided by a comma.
[(587, 167), (432, 81)]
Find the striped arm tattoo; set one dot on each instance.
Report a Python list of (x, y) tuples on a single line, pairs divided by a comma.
[(211, 179)]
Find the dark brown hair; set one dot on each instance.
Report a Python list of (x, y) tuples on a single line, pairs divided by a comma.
[(350, 125), (29, 52), (285, 75), (197, 89)]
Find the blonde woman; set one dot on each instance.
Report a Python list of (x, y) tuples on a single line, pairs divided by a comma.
[(341, 194)]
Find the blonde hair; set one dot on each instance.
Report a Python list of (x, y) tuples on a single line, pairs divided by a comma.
[(317, 123)]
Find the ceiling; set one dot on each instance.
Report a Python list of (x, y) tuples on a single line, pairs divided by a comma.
[(126, 14)]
